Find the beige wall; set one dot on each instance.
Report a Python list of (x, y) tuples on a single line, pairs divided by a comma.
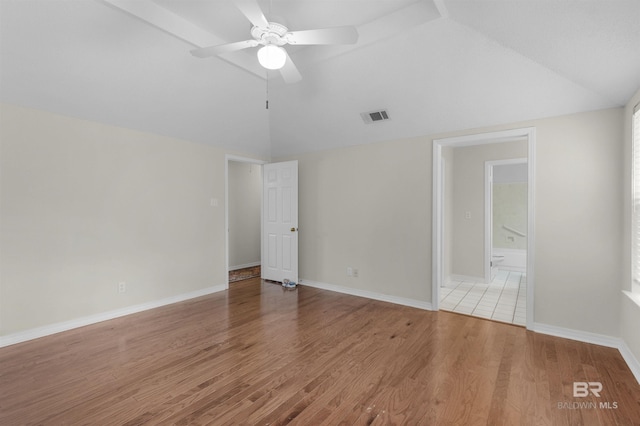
[(245, 188), (578, 221), (370, 207), (467, 235), (85, 206)]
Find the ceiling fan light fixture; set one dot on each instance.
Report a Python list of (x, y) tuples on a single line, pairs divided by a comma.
[(272, 57)]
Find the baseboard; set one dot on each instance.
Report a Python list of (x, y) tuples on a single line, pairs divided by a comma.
[(581, 336), (245, 265), (566, 333), (596, 339), (630, 359), (512, 268), (458, 277), (369, 294), (23, 336)]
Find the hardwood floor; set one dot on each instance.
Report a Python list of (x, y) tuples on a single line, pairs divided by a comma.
[(258, 354), (244, 273)]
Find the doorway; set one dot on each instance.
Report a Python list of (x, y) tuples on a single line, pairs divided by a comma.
[(243, 217), (274, 240), (467, 255), (506, 187)]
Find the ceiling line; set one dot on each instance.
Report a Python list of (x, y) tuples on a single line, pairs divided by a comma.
[(528, 58)]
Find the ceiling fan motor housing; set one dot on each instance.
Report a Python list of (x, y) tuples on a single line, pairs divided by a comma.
[(273, 34)]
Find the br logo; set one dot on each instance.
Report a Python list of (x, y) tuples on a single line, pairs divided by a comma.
[(582, 389)]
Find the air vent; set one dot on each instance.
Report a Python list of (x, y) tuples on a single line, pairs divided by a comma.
[(375, 116)]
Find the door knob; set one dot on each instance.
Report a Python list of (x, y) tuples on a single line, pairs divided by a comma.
[(294, 229)]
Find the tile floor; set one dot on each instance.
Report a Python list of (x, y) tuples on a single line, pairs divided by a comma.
[(504, 299)]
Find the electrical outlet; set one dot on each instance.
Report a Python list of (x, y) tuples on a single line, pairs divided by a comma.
[(467, 215), (349, 271), (122, 287), (355, 273)]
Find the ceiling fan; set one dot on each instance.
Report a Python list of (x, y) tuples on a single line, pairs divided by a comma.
[(272, 36)]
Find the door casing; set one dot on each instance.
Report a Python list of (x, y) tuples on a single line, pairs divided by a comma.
[(526, 133)]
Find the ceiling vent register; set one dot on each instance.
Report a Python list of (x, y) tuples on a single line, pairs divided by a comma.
[(375, 116)]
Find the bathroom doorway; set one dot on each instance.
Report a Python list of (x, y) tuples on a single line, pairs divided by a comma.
[(463, 280), (506, 193)]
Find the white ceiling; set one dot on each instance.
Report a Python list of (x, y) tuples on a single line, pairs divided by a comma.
[(436, 65)]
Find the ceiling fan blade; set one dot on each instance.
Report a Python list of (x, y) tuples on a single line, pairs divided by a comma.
[(289, 71), (252, 11), (206, 52), (335, 35)]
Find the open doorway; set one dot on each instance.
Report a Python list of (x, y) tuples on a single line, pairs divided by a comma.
[(463, 251), (276, 243), (244, 218), (506, 187)]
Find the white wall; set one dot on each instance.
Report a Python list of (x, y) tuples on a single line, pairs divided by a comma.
[(510, 210), (510, 199), (85, 206), (245, 188), (447, 235), (369, 207), (630, 311), (510, 173)]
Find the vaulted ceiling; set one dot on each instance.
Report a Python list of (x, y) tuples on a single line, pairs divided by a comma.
[(435, 65)]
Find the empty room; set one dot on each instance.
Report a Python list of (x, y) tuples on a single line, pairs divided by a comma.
[(420, 212)]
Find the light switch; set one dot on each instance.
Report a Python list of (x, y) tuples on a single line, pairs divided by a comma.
[(214, 202)]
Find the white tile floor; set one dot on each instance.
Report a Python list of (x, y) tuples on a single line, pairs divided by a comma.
[(504, 299)]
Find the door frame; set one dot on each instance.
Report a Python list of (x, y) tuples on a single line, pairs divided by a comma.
[(238, 159), (488, 209), (526, 133)]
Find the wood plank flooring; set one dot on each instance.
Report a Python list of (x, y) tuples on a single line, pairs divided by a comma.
[(244, 273), (257, 355)]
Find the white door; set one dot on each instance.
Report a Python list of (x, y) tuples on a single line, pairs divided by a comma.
[(280, 221)]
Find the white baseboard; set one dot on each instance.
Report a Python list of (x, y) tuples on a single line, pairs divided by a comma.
[(458, 277), (369, 294), (596, 339), (630, 359), (34, 333), (244, 265), (512, 268), (581, 336)]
